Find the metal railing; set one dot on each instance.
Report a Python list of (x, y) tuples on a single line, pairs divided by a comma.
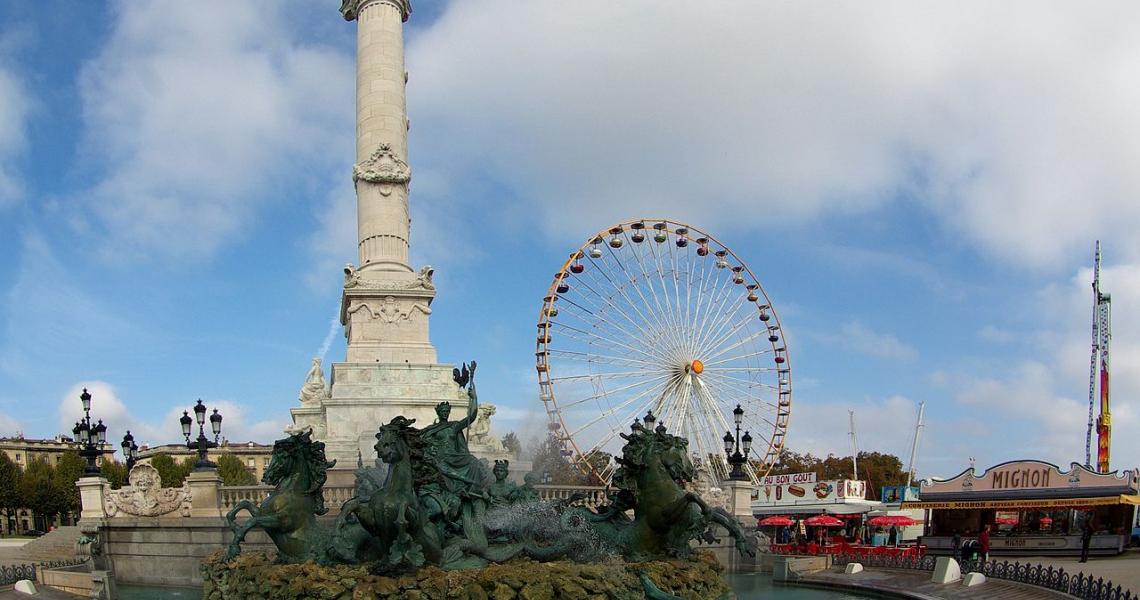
[(1086, 587), (10, 574)]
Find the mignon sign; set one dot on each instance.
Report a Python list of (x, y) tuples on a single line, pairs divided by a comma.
[(1030, 475), (1015, 478)]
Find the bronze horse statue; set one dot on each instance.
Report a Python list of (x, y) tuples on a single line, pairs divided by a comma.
[(289, 515), (393, 515)]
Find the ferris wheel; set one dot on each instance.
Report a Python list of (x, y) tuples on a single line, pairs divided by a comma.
[(654, 315)]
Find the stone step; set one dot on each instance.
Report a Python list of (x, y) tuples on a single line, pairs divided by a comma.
[(58, 544)]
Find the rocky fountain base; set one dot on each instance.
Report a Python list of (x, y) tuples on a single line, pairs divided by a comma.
[(256, 576)]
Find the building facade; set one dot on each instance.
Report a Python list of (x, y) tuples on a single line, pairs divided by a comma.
[(253, 455)]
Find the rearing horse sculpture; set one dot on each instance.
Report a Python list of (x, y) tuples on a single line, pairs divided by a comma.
[(393, 514), (298, 470)]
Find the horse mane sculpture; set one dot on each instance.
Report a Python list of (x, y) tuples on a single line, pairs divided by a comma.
[(298, 469), (400, 532)]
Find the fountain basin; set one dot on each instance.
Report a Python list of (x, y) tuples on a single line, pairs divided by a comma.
[(255, 576)]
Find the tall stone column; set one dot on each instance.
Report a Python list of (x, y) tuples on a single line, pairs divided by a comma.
[(391, 367), (386, 306), (381, 172)]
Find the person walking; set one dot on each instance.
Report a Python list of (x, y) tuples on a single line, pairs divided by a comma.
[(1086, 539), (984, 543)]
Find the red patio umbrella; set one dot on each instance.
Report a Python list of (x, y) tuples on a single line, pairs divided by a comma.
[(1005, 521), (823, 521), (776, 520), (889, 520), (1046, 521)]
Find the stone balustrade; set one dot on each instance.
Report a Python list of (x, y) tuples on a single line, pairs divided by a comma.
[(335, 496), (595, 496)]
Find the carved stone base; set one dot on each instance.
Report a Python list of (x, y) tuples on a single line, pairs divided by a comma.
[(365, 396)]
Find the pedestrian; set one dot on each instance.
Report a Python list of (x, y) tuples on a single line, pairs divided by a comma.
[(1086, 538), (893, 536), (984, 543), (956, 541)]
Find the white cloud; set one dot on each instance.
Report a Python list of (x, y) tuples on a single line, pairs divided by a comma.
[(1013, 123), (991, 333), (882, 425), (857, 337), (49, 320), (201, 114), (106, 404), (1043, 401), (9, 425), (15, 107)]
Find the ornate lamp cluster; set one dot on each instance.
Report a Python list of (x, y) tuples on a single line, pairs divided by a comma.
[(202, 444), (734, 445), (90, 438), (130, 450)]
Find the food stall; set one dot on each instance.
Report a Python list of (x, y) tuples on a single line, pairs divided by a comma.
[(801, 495), (1030, 507)]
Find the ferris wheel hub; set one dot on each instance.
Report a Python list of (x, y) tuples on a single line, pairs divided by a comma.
[(697, 367)]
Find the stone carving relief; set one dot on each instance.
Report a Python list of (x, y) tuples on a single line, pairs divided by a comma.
[(145, 496), (314, 390), (423, 280), (384, 168), (390, 310), (479, 436)]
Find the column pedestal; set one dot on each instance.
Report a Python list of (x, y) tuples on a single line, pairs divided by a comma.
[(739, 499), (91, 497), (205, 494)]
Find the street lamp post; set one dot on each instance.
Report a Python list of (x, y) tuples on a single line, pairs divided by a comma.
[(733, 445), (90, 438), (202, 444), (130, 450)]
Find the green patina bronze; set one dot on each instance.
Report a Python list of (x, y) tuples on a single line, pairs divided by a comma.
[(439, 505), (289, 515)]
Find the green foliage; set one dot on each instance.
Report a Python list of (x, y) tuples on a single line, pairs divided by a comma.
[(233, 471), (876, 468), (116, 473), (10, 496), (171, 472), (548, 459), (512, 443), (42, 490), (68, 470)]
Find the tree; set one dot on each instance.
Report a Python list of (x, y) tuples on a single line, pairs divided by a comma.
[(68, 470), (549, 460), (41, 491), (116, 473), (233, 471), (171, 472), (512, 444), (10, 497)]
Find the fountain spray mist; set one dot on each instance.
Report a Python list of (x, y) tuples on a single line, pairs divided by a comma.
[(334, 325)]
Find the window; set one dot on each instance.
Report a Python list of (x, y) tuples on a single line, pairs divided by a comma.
[(19, 457), (251, 463)]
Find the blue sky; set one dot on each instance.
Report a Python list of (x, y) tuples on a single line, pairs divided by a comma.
[(918, 188)]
